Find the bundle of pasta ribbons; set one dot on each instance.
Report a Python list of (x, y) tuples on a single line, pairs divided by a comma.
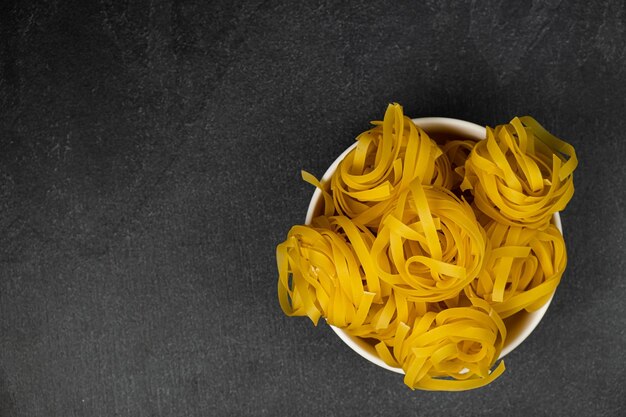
[(323, 274), (399, 257), (522, 270), (429, 246), (461, 343), (384, 162), (518, 176)]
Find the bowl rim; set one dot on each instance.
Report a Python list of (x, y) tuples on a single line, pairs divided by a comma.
[(463, 128)]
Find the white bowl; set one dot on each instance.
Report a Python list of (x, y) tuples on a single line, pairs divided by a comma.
[(519, 326)]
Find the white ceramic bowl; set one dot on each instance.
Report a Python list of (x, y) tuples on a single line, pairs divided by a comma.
[(519, 326)]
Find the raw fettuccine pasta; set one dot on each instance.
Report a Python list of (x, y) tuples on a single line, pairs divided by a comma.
[(398, 255), (322, 275), (522, 270), (430, 245), (518, 175), (460, 343), (385, 161), (457, 152)]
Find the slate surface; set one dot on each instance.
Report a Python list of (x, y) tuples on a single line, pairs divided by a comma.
[(149, 164)]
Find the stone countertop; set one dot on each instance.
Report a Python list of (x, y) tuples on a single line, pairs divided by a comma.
[(149, 164)]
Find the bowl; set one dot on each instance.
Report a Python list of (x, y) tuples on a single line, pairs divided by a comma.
[(519, 326)]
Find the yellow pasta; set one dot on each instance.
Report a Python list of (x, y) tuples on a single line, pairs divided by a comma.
[(460, 343), (327, 272), (385, 161), (457, 152), (521, 174), (322, 275), (522, 270), (399, 257), (430, 245)]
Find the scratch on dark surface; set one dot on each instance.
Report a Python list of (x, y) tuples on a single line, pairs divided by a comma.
[(610, 38)]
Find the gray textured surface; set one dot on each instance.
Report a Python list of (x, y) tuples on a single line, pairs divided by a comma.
[(150, 158)]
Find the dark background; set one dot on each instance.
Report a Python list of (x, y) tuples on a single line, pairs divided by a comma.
[(149, 164)]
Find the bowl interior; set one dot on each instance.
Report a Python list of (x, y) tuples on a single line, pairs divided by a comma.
[(519, 326)]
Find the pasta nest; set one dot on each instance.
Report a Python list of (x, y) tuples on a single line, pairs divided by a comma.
[(520, 175), (523, 267), (384, 162)]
